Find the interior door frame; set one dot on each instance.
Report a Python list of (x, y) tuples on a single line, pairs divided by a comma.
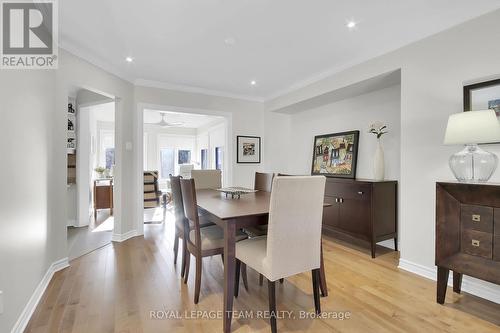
[(139, 153)]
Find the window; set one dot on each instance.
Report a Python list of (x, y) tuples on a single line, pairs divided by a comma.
[(106, 149), (110, 158), (184, 157), (167, 162), (204, 159), (218, 158)]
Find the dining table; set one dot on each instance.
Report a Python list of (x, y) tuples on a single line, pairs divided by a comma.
[(232, 214)]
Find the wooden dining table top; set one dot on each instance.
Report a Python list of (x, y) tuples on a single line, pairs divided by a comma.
[(227, 208)]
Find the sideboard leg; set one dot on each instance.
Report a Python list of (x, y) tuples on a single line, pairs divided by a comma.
[(457, 282), (373, 247), (442, 283)]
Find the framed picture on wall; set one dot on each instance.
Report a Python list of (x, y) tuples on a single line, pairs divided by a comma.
[(482, 96), (248, 149), (335, 155)]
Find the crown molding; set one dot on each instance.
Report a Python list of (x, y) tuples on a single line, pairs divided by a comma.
[(88, 57), (193, 89)]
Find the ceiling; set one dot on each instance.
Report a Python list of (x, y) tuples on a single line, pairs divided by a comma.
[(220, 46), (189, 120)]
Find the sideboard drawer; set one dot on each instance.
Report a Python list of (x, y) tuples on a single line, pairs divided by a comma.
[(348, 191), (477, 243), (478, 218)]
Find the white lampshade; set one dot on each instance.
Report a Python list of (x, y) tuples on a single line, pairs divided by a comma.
[(472, 127)]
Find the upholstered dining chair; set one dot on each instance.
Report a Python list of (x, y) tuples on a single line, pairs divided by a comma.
[(263, 182), (201, 242), (293, 242), (175, 185), (207, 179)]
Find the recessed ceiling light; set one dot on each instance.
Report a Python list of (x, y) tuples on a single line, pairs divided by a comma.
[(229, 41), (351, 24), (253, 82), (129, 59)]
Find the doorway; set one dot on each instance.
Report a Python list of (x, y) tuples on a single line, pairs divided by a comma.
[(91, 195), (174, 143)]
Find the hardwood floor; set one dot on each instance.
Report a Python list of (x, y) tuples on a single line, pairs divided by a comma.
[(114, 289)]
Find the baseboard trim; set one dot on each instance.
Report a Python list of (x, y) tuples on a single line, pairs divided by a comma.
[(29, 309), (123, 237), (470, 285)]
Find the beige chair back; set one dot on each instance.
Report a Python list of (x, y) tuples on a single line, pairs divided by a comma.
[(207, 179), (185, 170), (294, 232), (263, 181)]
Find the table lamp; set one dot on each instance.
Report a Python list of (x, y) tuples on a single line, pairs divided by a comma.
[(471, 128)]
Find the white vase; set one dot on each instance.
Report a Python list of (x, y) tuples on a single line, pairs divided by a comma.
[(378, 162)]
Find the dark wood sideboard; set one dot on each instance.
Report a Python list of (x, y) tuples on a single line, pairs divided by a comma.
[(362, 209), (467, 234)]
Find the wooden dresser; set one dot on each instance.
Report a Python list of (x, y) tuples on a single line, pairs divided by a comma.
[(103, 195), (361, 209), (467, 234)]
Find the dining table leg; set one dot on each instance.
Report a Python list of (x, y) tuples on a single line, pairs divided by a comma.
[(229, 273), (322, 275)]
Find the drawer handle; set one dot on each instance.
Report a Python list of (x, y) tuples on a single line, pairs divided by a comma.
[(476, 217), (475, 242), (361, 192)]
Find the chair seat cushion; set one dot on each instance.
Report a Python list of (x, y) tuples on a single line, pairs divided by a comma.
[(212, 237), (252, 252)]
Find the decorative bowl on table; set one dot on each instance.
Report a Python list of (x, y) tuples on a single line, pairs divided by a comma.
[(235, 191)]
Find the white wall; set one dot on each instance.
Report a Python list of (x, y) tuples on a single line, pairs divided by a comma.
[(209, 138), (433, 72), (351, 114), (29, 240)]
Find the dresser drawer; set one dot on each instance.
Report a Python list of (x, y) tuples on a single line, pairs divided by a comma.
[(477, 243), (478, 218), (348, 190)]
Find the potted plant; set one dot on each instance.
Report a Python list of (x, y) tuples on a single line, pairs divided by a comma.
[(100, 171)]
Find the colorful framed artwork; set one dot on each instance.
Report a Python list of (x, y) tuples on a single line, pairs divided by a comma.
[(248, 149), (336, 155)]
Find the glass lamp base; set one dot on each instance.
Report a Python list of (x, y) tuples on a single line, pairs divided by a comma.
[(473, 164)]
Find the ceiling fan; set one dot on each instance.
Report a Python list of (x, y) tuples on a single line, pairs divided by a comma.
[(164, 123)]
